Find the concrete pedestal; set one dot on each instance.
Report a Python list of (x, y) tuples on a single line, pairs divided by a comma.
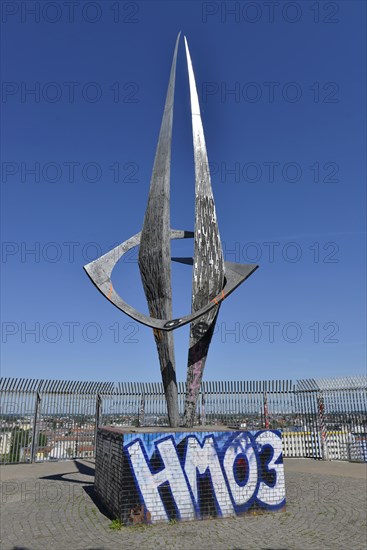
[(147, 475)]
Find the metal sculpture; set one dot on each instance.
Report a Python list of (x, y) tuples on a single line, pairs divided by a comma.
[(213, 278)]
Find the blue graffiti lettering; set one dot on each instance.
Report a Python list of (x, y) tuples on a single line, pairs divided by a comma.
[(200, 459), (192, 475), (149, 482)]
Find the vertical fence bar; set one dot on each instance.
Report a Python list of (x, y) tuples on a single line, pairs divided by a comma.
[(265, 407), (34, 441)]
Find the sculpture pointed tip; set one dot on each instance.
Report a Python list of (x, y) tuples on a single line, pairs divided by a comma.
[(188, 57)]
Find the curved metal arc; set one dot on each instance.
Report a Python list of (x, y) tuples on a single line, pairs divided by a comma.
[(100, 271)]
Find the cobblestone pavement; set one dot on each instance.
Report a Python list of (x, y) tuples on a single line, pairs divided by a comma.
[(51, 506)]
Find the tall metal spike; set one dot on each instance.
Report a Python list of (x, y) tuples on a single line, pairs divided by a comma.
[(208, 269), (155, 249)]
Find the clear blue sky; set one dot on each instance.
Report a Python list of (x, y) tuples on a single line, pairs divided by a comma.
[(292, 131)]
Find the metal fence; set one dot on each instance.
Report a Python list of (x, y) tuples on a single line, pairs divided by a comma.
[(57, 419)]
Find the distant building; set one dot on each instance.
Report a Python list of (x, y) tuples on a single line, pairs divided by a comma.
[(5, 442)]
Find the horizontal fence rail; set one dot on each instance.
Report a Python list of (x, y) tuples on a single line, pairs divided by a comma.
[(57, 419)]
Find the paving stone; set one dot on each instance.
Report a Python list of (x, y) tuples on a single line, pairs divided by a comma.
[(326, 509)]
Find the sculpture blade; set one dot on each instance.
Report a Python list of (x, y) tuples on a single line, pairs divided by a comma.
[(155, 249), (208, 270), (213, 279)]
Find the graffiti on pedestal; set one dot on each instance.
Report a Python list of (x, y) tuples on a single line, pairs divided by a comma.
[(184, 476)]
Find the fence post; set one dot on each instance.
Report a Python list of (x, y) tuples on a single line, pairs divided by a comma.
[(203, 416), (97, 419), (321, 410), (34, 443), (141, 414)]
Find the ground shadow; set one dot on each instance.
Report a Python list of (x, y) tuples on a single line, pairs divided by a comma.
[(89, 490), (88, 486), (83, 469)]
